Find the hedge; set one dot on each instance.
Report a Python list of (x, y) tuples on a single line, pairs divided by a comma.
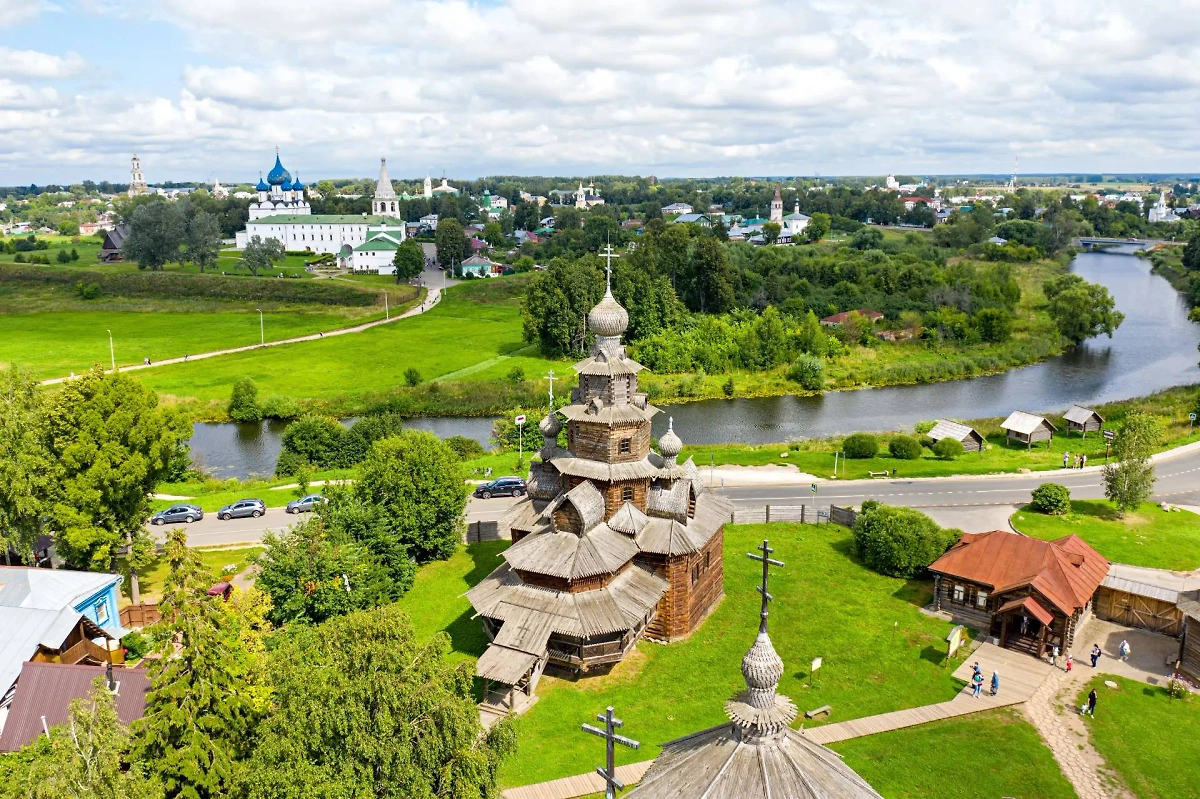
[(171, 285)]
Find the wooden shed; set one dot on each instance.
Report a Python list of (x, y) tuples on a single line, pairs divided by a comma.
[(969, 437), (1134, 604), (1083, 420), (1189, 647), (1028, 428)]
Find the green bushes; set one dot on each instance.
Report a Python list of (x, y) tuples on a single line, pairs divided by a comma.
[(905, 448), (87, 291), (808, 371), (243, 403), (860, 445), (466, 448), (948, 449), (136, 645), (899, 542), (412, 377), (1051, 499)]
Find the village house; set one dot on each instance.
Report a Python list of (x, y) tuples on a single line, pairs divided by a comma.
[(677, 208), (1028, 428), (703, 220), (969, 437), (44, 691), (1026, 593), (1083, 420)]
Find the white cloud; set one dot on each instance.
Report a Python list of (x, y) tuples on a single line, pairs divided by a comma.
[(671, 87)]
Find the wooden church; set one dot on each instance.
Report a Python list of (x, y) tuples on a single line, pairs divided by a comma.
[(613, 541)]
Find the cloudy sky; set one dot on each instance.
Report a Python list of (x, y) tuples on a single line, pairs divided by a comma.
[(207, 88)]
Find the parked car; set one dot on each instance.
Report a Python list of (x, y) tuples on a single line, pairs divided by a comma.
[(305, 504), (502, 487), (243, 508), (178, 513)]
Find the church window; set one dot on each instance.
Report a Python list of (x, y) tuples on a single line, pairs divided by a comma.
[(624, 446), (627, 493)]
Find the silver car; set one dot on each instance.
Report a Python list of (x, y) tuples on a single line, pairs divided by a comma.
[(242, 508)]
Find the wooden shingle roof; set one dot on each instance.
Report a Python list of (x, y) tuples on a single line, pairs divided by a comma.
[(570, 556), (1078, 414), (1065, 571), (1025, 423), (952, 430)]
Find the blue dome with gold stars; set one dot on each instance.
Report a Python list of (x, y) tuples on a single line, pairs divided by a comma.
[(278, 176)]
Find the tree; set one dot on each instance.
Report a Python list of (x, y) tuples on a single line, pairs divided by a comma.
[(808, 371), (899, 542), (156, 231), (451, 242), (319, 440), (363, 709), (82, 758), (948, 448), (203, 240), (1052, 499), (1083, 311), (259, 255), (114, 444), (904, 448), (818, 227), (200, 713), (710, 284), (416, 483), (1191, 253), (1129, 477), (860, 445), (412, 377), (409, 261), (243, 402), (556, 304), (994, 325), (771, 231), (493, 233), (28, 474), (867, 239)]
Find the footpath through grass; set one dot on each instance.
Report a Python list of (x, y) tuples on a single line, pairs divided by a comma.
[(1146, 737), (1148, 536), (221, 564), (827, 604), (993, 754)]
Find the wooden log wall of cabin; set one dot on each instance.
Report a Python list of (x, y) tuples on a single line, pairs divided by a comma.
[(567, 519), (601, 442), (686, 605), (971, 444), (1190, 648), (615, 495), (970, 615), (618, 390)]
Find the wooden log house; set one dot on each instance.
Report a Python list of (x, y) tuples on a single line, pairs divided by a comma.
[(969, 437), (1028, 429), (613, 541), (1189, 647), (1083, 420), (1027, 593)]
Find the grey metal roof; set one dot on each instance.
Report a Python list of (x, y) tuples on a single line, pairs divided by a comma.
[(952, 430), (1025, 423), (619, 606), (49, 589), (1141, 589), (1078, 414), (22, 630)]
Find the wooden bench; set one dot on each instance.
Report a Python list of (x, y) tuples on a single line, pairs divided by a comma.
[(884, 473), (826, 709)]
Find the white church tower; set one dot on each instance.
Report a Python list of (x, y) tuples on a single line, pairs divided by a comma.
[(384, 203), (427, 191), (137, 183), (777, 207)]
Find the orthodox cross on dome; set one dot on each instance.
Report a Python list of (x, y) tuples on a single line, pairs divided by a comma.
[(609, 770), (767, 562), (551, 378), (608, 254)]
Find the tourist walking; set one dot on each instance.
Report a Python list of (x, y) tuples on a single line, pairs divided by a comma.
[(995, 682), (1124, 650), (1095, 655), (1066, 459), (1070, 662), (1054, 656), (1091, 703), (977, 683), (1082, 461)]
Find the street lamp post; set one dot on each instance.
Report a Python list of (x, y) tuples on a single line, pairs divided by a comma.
[(262, 333), (386, 313), (112, 353)]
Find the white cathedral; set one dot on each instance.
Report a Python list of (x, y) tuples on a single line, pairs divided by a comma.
[(365, 242)]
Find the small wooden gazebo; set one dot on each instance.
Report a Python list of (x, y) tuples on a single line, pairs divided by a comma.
[(1083, 420), (1028, 428)]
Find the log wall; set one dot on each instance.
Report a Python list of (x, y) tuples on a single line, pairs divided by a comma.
[(1190, 656), (599, 442), (686, 603), (614, 495)]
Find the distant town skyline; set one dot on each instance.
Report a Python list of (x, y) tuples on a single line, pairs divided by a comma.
[(675, 89)]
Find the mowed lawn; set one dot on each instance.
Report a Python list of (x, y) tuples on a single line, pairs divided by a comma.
[(990, 755), (459, 336), (54, 344), (221, 564), (1148, 536), (827, 604), (1147, 737)]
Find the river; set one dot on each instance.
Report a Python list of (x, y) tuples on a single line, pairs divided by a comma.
[(1154, 349)]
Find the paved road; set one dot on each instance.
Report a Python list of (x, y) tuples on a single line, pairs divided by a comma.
[(972, 503)]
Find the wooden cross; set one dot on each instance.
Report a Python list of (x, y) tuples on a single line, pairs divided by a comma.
[(767, 562), (609, 255), (609, 734), (551, 378)]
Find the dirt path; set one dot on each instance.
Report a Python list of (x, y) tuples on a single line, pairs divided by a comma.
[(431, 299)]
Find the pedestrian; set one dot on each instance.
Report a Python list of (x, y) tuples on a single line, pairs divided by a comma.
[(1082, 461), (1066, 459), (1054, 656), (1070, 662), (146, 361), (1095, 655), (185, 357), (977, 684), (1078, 461), (995, 682), (1024, 624), (1091, 705), (1124, 650)]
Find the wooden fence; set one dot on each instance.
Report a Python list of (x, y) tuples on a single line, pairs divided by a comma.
[(483, 531), (804, 514), (135, 617), (1133, 610)]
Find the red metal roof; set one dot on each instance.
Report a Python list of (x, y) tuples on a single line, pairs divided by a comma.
[(1066, 571), (1031, 605), (46, 689)]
